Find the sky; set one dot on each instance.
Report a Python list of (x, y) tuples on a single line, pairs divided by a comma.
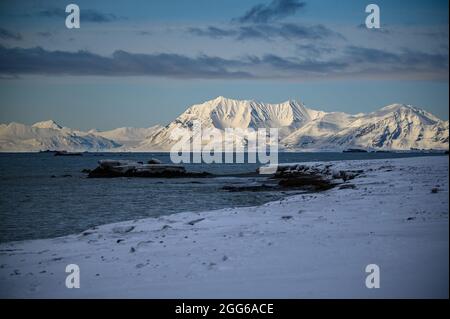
[(141, 63)]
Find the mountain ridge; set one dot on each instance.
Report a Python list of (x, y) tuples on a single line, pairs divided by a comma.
[(393, 127)]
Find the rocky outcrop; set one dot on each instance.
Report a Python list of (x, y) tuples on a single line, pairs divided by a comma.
[(113, 168)]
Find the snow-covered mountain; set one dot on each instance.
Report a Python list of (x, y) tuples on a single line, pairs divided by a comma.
[(127, 137), (48, 135), (394, 127), (48, 124), (222, 113)]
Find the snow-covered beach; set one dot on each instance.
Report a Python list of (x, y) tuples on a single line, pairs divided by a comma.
[(313, 245)]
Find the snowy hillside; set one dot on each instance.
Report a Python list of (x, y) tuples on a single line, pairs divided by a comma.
[(48, 135), (222, 113), (394, 127), (47, 124), (127, 136)]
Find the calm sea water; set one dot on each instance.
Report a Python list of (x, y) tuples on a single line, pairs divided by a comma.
[(45, 196)]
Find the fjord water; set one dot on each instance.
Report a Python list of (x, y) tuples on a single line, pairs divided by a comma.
[(44, 196)]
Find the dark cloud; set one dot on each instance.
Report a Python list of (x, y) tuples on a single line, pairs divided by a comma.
[(121, 63), (365, 55), (317, 66), (287, 31), (213, 32), (44, 34), (405, 58), (88, 15), (9, 35), (403, 64), (382, 30), (351, 62), (301, 65), (53, 12), (256, 27), (314, 49), (277, 9)]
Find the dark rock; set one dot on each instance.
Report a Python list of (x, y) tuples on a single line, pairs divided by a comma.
[(195, 221), (346, 175), (100, 172), (154, 161), (347, 186), (87, 233), (111, 168), (312, 182), (250, 188)]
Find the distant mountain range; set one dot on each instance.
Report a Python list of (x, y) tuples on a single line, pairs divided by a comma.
[(394, 127)]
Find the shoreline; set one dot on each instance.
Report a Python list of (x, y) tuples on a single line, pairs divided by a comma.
[(222, 251), (245, 174)]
